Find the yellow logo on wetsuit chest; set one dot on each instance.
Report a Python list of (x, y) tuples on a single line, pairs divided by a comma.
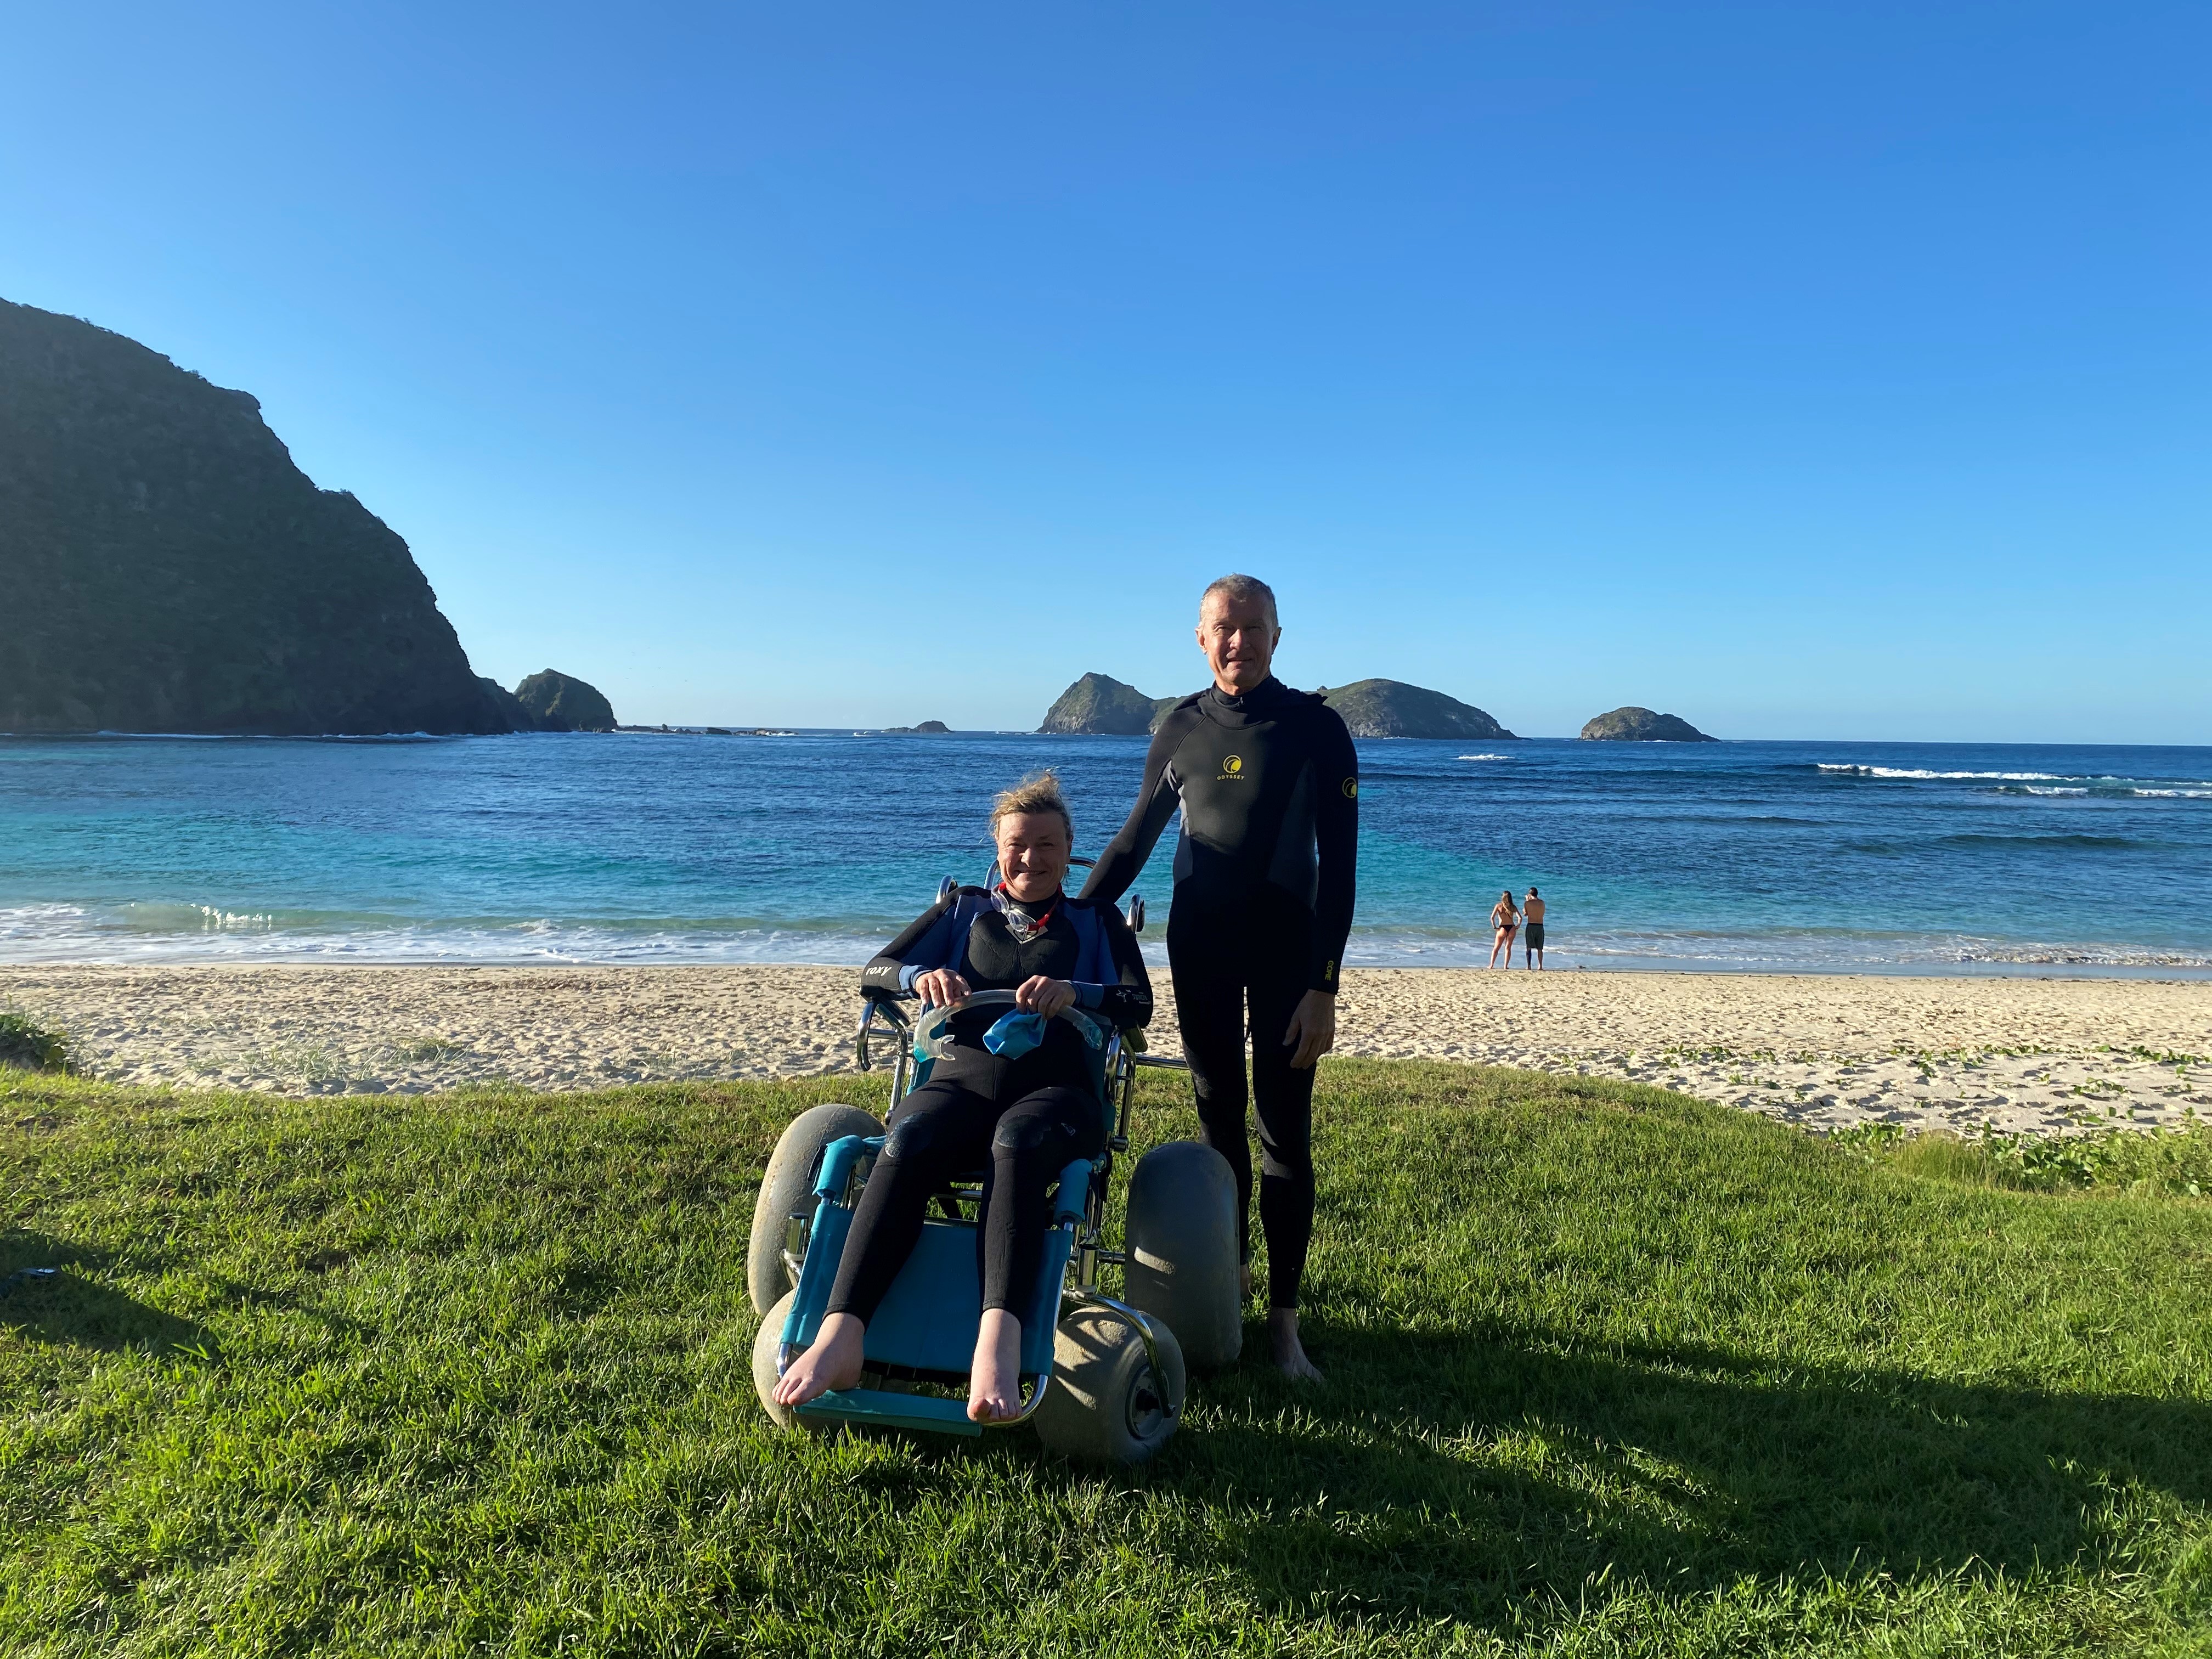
[(1352, 789), (1231, 768)]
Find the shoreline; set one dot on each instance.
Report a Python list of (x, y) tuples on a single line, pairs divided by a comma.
[(2043, 1054), (2180, 970)]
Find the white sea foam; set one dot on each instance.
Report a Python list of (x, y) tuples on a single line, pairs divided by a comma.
[(1919, 772), (1485, 757), (2076, 783)]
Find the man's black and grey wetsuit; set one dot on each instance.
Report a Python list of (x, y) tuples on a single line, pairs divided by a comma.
[(1268, 785)]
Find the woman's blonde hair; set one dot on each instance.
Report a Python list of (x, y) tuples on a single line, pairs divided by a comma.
[(1037, 792)]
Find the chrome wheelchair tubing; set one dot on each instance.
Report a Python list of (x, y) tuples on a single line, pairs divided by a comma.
[(1136, 1322), (896, 1026), (798, 1233), (1029, 1403)]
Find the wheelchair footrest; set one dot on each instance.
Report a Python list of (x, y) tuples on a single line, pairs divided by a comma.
[(876, 1408)]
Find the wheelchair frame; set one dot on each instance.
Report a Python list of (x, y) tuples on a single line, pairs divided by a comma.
[(1084, 1227)]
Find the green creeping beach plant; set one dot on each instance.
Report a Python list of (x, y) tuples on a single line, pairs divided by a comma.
[(30, 1047), (2169, 1163), (428, 1049)]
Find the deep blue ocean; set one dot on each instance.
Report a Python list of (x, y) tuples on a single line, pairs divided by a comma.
[(814, 847)]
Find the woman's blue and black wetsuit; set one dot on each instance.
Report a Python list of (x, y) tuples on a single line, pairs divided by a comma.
[(1022, 1121), (1268, 785)]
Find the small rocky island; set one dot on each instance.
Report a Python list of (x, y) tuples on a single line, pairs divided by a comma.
[(1633, 724), (1391, 708), (165, 567), (560, 702), (927, 729), (1100, 706)]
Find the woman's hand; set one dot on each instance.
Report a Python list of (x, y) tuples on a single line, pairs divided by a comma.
[(1040, 995), (940, 988)]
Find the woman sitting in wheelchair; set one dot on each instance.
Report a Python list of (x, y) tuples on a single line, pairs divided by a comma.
[(1020, 1118)]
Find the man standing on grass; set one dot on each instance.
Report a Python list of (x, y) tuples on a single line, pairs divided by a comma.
[(1269, 787)]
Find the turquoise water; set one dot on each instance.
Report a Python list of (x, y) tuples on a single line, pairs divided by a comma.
[(814, 847)]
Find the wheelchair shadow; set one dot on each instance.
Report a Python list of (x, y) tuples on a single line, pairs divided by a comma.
[(75, 1307), (1452, 1477)]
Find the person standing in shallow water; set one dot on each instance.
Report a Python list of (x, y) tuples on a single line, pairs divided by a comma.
[(1268, 785)]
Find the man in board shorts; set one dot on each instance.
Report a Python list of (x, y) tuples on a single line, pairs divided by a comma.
[(1532, 932), (1268, 786)]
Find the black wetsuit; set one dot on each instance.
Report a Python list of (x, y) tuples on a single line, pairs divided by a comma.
[(1264, 871), (1021, 1122)]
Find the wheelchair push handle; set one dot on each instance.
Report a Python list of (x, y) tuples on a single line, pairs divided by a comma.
[(929, 1026)]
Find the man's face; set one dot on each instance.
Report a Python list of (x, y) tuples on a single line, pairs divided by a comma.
[(1239, 638)]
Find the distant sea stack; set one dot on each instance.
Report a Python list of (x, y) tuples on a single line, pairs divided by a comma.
[(1391, 708), (165, 567), (1642, 726), (1101, 707), (560, 702), (927, 729)]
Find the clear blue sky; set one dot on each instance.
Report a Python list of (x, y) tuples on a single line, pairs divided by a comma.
[(1831, 370)]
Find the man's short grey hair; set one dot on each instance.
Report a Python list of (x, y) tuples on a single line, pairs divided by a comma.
[(1242, 590)]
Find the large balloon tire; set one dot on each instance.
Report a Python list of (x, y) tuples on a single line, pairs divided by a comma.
[(765, 1375), (788, 1188), (1182, 1250), (1107, 1404)]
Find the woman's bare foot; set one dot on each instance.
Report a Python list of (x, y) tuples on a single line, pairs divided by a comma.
[(1290, 1353), (834, 1362), (994, 1387)]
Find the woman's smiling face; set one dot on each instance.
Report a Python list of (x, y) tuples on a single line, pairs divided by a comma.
[(1033, 851)]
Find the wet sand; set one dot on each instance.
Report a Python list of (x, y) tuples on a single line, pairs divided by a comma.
[(1823, 1051)]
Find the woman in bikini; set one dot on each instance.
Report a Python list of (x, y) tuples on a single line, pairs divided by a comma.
[(1507, 921)]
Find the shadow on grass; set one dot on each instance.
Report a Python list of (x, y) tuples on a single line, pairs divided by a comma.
[(1468, 1475), (75, 1307)]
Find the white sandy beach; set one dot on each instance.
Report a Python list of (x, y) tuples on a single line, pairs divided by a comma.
[(1822, 1051)]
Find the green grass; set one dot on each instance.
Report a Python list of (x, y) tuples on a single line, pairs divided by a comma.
[(1611, 1372)]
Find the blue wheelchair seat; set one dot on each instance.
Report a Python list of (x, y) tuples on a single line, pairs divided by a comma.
[(930, 1317)]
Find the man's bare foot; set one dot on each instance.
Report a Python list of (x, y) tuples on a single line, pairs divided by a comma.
[(994, 1387), (1290, 1353), (834, 1362)]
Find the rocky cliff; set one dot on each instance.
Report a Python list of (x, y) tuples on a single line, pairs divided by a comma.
[(1391, 708), (1633, 724), (560, 702), (1102, 707), (166, 568)]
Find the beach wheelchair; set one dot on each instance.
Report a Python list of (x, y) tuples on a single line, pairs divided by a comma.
[(1102, 1378)]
